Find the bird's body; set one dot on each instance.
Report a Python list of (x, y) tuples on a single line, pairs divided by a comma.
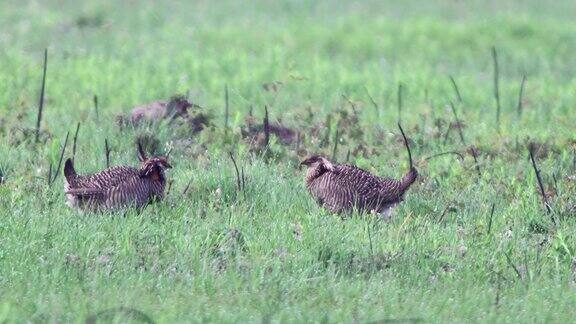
[(344, 188), (116, 188), (158, 110)]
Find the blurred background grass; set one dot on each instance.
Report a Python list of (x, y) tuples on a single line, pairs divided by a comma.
[(181, 261)]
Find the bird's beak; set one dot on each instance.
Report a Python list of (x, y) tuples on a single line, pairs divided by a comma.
[(168, 166)]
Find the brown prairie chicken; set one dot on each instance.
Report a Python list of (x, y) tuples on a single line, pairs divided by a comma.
[(343, 188), (117, 188), (156, 111)]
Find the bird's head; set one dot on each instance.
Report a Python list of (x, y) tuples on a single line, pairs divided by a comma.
[(319, 163), (178, 106), (153, 167)]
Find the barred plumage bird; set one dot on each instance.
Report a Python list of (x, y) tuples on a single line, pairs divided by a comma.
[(117, 187), (343, 188)]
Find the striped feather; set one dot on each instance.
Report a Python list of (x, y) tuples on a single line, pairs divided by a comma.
[(112, 189), (347, 187)]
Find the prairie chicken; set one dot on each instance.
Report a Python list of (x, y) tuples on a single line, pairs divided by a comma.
[(342, 188), (156, 111), (117, 187), (259, 134)]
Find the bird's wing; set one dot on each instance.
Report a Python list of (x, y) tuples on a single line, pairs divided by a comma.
[(388, 191), (132, 190), (371, 190), (99, 184), (331, 192), (86, 192), (104, 180)]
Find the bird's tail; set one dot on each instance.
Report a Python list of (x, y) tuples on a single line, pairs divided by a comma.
[(69, 171), (408, 179)]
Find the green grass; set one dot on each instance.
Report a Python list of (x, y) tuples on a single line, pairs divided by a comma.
[(217, 255)]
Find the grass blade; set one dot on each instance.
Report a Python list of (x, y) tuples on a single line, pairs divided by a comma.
[(400, 102), (95, 100), (491, 215), (107, 152), (520, 95), (226, 109), (456, 89), (266, 124), (406, 144), (335, 148), (513, 266), (540, 185), (74, 142), (63, 149), (463, 140), (372, 101), (49, 173), (496, 85), (42, 91), (238, 179)]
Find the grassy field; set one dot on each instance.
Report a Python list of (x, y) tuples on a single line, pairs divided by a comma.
[(268, 253)]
